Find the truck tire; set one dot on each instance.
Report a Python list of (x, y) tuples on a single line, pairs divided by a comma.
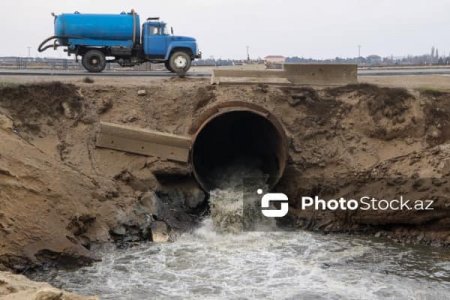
[(168, 67), (94, 61), (180, 62)]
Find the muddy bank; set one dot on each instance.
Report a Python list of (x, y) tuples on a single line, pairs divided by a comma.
[(17, 287), (364, 140), (59, 195)]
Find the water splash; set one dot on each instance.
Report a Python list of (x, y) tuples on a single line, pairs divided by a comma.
[(235, 205), (219, 261), (206, 264)]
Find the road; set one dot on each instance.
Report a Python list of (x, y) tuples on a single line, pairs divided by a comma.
[(203, 74), (404, 71), (103, 74)]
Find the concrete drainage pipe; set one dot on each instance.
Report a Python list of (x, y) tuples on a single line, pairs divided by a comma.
[(237, 131)]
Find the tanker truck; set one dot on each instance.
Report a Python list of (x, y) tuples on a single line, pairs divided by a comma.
[(105, 38)]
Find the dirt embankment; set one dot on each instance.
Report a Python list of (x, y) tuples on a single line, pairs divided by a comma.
[(384, 143), (17, 287), (59, 196)]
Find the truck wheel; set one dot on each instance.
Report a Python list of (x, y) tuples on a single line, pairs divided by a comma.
[(168, 67), (94, 61), (180, 62)]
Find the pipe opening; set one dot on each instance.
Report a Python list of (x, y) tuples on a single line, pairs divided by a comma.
[(240, 136)]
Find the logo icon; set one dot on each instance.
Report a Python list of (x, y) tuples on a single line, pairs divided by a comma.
[(269, 198)]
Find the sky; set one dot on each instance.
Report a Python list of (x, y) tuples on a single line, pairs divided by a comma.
[(224, 28)]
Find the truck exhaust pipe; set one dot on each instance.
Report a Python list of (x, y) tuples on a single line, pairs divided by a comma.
[(228, 133), (237, 132)]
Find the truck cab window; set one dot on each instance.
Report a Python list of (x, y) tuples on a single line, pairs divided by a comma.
[(155, 30)]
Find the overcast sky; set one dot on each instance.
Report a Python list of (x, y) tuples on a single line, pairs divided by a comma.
[(223, 28)]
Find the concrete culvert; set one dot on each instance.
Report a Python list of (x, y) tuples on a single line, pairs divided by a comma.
[(238, 132)]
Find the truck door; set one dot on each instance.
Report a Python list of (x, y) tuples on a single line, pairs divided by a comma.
[(155, 41)]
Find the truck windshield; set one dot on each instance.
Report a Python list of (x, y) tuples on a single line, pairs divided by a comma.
[(167, 30)]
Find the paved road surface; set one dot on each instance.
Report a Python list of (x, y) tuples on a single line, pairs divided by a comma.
[(366, 72), (406, 71), (103, 74)]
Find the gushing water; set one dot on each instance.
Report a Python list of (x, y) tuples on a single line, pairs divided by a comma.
[(221, 261), (263, 265), (235, 205)]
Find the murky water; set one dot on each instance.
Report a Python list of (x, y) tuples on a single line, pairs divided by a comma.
[(220, 261), (230, 213), (274, 265)]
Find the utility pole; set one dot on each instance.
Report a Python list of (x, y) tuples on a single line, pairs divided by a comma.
[(359, 54), (248, 54)]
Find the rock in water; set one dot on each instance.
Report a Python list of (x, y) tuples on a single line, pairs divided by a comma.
[(151, 203), (160, 232)]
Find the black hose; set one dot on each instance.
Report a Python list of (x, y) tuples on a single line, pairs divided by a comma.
[(41, 47)]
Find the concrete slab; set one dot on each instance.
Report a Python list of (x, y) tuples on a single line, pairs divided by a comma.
[(220, 76), (321, 74), (295, 74), (144, 142)]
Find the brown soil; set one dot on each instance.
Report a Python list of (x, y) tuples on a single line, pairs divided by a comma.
[(59, 195), (17, 287)]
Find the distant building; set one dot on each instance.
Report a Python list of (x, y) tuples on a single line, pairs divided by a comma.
[(274, 61), (277, 59), (374, 60)]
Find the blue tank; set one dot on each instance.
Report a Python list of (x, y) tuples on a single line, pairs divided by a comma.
[(98, 29)]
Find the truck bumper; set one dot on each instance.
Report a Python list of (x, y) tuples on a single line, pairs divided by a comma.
[(199, 55)]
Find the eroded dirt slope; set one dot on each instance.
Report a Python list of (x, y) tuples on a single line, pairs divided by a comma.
[(59, 195)]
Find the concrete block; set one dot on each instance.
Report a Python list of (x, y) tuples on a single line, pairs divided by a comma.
[(321, 74), (293, 74), (144, 142)]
